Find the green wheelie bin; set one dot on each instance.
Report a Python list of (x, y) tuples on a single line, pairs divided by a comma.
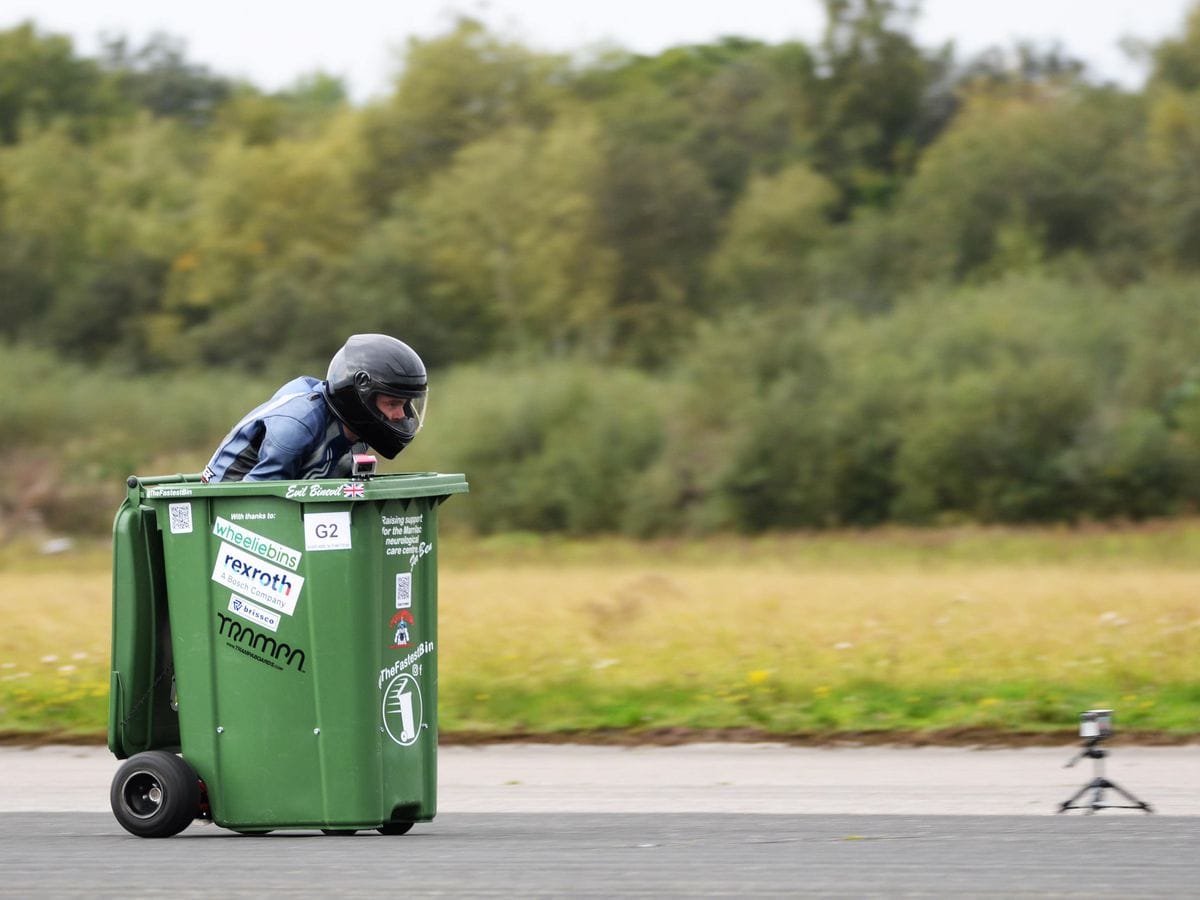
[(274, 653)]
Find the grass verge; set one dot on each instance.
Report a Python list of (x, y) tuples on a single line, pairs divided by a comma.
[(893, 633)]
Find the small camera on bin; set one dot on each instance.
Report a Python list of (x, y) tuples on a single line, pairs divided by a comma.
[(1096, 724), (363, 465)]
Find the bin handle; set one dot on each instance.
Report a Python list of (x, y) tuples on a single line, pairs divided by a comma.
[(135, 480), (135, 483)]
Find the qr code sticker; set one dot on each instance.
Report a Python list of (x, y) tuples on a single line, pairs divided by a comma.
[(404, 590), (181, 518)]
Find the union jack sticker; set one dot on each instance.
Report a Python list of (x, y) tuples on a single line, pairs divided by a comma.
[(353, 490)]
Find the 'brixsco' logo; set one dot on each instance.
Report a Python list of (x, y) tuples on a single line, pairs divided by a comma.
[(252, 612), (262, 647)]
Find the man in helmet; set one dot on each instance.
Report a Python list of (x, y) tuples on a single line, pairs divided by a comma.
[(373, 395)]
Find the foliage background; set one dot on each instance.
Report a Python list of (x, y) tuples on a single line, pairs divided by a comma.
[(735, 286), (806, 291)]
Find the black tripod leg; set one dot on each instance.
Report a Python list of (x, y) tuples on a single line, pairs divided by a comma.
[(1070, 803), (1140, 804)]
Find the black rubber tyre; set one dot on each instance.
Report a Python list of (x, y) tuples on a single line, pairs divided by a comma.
[(341, 832), (396, 828), (155, 794)]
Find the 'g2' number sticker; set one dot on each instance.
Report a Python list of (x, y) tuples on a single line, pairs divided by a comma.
[(327, 531)]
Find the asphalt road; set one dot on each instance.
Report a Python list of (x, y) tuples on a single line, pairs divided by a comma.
[(701, 820), (617, 854)]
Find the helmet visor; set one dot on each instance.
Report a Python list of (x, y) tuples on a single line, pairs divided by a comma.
[(403, 415)]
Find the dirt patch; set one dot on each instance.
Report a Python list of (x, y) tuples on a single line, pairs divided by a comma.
[(949, 737), (44, 738), (672, 737)]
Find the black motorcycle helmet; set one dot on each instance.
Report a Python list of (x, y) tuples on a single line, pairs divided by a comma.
[(367, 366)]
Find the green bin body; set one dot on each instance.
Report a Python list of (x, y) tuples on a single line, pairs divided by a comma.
[(282, 636)]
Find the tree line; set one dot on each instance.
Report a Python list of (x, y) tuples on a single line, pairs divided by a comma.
[(783, 285)]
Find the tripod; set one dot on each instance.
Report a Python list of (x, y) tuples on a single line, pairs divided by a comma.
[(1099, 784)]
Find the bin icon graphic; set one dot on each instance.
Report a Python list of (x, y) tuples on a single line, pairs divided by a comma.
[(274, 653)]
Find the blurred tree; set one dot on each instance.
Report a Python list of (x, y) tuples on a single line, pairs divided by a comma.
[(779, 222), (253, 118), (452, 90), (1173, 149), (551, 446), (747, 441), (385, 287), (272, 226), (987, 444), (142, 193), (509, 237), (46, 196), (1173, 145), (1024, 66), (752, 114), (315, 98), (732, 107), (874, 105), (1018, 180), (1176, 61), (157, 77), (1128, 465), (659, 214), (302, 111), (1023, 400), (866, 263), (41, 81)]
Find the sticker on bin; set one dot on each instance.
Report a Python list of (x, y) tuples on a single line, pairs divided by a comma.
[(400, 622), (403, 711), (257, 544), (258, 646), (327, 531), (181, 517), (257, 579), (252, 612), (403, 590), (409, 663)]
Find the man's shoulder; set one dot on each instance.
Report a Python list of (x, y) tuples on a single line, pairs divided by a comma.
[(301, 403), (304, 385)]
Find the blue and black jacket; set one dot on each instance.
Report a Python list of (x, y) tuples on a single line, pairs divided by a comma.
[(293, 435)]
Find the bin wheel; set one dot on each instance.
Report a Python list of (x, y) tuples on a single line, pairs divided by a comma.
[(155, 794), (252, 832), (339, 831), (396, 828)]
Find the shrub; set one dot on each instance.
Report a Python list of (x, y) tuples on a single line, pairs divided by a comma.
[(546, 447)]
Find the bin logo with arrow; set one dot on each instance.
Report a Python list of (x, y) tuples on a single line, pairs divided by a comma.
[(403, 711)]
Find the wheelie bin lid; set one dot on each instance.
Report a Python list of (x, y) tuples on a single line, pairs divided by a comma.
[(330, 490)]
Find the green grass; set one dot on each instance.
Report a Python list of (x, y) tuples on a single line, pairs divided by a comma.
[(983, 631), (787, 711)]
